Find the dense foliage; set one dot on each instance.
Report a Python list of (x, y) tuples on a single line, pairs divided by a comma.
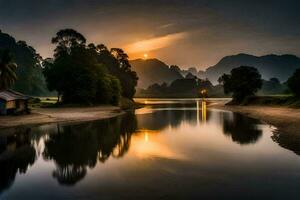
[(116, 61), (294, 83), (241, 82), (91, 73), (7, 70), (187, 87), (30, 79)]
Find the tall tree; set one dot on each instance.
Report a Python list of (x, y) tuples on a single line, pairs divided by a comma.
[(241, 82), (7, 70)]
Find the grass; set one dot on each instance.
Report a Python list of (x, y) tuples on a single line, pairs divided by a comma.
[(48, 102), (42, 102)]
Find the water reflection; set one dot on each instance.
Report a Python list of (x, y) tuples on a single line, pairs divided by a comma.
[(178, 142), (74, 148), (16, 155), (203, 111), (241, 129), (163, 118)]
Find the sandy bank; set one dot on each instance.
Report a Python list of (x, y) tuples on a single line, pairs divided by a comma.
[(50, 115)]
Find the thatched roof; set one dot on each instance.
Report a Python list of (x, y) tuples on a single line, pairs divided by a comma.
[(10, 95)]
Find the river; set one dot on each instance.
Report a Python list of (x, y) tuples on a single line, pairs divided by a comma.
[(169, 149)]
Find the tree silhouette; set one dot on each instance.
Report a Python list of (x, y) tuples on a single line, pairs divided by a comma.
[(241, 82), (67, 39), (294, 82), (76, 74), (123, 72)]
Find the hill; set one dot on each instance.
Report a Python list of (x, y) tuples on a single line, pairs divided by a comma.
[(279, 66), (153, 71)]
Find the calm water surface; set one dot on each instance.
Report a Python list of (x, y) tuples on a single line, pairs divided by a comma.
[(170, 150)]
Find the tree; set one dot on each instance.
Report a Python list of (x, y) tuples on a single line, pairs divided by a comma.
[(52, 73), (7, 70), (294, 83), (67, 39), (241, 82), (117, 64), (76, 74)]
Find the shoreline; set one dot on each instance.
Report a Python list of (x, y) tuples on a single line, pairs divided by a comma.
[(283, 118), (286, 121), (40, 116)]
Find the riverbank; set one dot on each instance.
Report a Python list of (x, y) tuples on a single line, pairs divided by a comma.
[(285, 119), (67, 114)]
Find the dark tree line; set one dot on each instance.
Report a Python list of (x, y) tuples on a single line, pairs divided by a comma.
[(187, 87), (245, 81), (78, 72), (82, 73)]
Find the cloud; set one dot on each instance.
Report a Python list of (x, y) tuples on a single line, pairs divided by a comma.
[(155, 43)]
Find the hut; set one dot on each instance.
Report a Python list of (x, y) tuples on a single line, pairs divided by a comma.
[(12, 102)]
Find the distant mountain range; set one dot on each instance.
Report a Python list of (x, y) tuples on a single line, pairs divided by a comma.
[(281, 67), (155, 71)]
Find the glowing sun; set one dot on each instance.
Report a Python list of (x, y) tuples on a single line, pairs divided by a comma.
[(145, 56)]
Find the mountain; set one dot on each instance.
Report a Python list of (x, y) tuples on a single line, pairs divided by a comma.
[(191, 70), (153, 71), (279, 66)]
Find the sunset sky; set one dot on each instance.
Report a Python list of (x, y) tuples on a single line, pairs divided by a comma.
[(189, 33)]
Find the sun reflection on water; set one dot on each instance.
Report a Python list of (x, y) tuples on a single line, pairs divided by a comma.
[(150, 144)]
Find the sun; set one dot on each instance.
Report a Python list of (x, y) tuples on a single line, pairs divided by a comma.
[(145, 56)]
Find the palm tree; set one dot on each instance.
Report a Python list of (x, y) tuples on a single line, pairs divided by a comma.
[(7, 70)]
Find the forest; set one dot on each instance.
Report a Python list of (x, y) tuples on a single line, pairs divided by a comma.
[(77, 73)]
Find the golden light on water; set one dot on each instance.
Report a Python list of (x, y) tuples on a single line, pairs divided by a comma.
[(198, 112), (150, 144), (146, 136), (204, 111)]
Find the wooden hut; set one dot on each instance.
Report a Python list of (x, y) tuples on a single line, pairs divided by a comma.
[(12, 102)]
